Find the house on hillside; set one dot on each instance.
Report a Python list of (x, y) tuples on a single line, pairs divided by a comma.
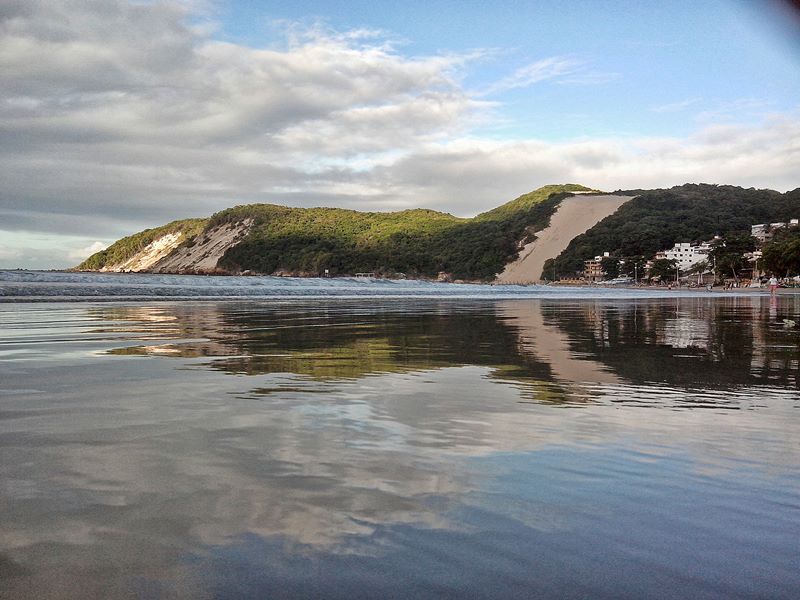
[(754, 258), (593, 268), (763, 232), (686, 255)]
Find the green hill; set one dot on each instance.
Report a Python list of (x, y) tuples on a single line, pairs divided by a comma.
[(416, 242), (127, 247), (657, 219)]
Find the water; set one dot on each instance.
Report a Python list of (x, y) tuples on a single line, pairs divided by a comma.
[(28, 286), (606, 447)]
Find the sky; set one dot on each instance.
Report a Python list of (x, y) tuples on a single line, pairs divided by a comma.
[(117, 115)]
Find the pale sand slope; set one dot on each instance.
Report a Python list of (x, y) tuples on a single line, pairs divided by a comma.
[(550, 345), (204, 254), (574, 216), (152, 253)]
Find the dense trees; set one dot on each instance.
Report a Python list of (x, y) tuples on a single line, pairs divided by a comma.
[(664, 269), (727, 255), (415, 242), (121, 250), (633, 266), (781, 255), (657, 219), (610, 266), (425, 242)]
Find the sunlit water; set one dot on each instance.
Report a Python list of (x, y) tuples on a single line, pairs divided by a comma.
[(401, 448)]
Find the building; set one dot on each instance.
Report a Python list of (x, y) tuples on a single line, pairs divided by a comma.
[(763, 232), (593, 268), (686, 255), (754, 258)]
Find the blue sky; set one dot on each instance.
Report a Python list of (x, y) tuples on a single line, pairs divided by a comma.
[(454, 106), (648, 68)]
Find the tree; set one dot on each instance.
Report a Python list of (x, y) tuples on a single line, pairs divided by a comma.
[(781, 255), (664, 268), (728, 254), (549, 270), (610, 266), (633, 266)]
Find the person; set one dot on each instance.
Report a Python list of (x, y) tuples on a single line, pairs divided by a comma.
[(773, 285)]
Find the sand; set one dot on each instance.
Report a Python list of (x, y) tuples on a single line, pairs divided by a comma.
[(204, 254), (575, 215), (152, 253)]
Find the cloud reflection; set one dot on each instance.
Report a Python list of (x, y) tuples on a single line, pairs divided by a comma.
[(321, 425)]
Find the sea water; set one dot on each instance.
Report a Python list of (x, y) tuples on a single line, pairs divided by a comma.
[(533, 444)]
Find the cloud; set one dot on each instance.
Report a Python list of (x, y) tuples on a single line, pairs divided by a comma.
[(97, 127), (675, 106), (102, 135), (81, 254), (468, 175), (535, 72)]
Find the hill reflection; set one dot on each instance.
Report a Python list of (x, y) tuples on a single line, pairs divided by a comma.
[(555, 351), (160, 438)]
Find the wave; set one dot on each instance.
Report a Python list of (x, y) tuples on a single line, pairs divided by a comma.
[(32, 286)]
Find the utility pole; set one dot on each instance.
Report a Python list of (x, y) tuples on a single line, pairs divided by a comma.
[(715, 267)]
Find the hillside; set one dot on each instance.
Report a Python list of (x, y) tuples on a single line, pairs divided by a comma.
[(574, 216), (657, 219), (138, 251), (266, 238)]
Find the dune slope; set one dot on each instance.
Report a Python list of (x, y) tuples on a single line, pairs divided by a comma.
[(576, 215)]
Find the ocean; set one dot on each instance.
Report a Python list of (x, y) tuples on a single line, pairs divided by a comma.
[(252, 437)]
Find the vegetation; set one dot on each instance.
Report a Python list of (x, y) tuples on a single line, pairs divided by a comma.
[(657, 219), (664, 269), (610, 266), (728, 254), (781, 254), (124, 249), (414, 242), (425, 242), (634, 266)]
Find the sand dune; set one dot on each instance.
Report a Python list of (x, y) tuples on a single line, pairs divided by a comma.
[(204, 254), (150, 255), (575, 215)]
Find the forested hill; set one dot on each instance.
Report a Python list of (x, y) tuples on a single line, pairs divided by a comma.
[(280, 239), (655, 220)]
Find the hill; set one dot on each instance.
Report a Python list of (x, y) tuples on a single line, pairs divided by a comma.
[(657, 219), (267, 238), (574, 216)]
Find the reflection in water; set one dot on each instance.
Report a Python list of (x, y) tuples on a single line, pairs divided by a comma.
[(351, 449), (546, 347)]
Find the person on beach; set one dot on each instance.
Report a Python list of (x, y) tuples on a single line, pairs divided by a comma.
[(773, 285)]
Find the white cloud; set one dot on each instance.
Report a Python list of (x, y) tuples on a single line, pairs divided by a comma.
[(535, 72), (102, 135), (675, 106), (80, 254), (469, 175)]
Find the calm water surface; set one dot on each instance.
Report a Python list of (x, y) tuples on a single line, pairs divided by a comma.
[(400, 448)]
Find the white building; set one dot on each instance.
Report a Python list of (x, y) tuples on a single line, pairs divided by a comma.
[(686, 255), (763, 231)]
